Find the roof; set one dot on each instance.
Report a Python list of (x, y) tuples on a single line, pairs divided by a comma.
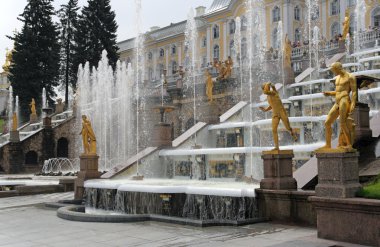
[(218, 5)]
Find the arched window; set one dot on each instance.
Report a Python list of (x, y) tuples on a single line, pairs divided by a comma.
[(297, 13), (275, 43), (215, 31), (31, 158), (232, 26), (376, 17), (62, 148), (276, 14), (244, 23), (150, 55), (162, 52), (216, 51), (334, 7), (174, 49), (204, 42), (174, 67), (232, 48), (334, 29), (297, 35), (244, 48)]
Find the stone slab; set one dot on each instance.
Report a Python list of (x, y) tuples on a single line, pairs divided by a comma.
[(232, 111), (190, 132)]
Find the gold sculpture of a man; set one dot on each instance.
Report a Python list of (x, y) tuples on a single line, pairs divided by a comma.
[(88, 136), (344, 106), (14, 122), (346, 24), (278, 112), (229, 63), (33, 106), (209, 86), (287, 52)]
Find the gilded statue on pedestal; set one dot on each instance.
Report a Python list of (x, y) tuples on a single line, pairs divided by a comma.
[(229, 63), (278, 112), (88, 136), (8, 60), (343, 108), (287, 52), (14, 122), (209, 86), (33, 106), (346, 24)]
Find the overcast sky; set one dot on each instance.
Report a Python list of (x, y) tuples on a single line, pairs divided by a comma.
[(154, 12)]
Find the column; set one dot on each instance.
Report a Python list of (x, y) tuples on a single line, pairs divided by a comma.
[(287, 19), (167, 58), (324, 17), (225, 45), (179, 50), (208, 44), (342, 13)]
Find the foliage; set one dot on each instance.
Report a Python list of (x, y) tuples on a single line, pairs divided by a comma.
[(372, 190), (68, 21), (95, 31), (35, 59)]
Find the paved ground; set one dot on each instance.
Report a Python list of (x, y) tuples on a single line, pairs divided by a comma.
[(25, 222)]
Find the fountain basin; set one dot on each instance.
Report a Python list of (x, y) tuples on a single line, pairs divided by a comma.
[(179, 201)]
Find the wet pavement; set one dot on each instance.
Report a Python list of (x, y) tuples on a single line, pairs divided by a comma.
[(25, 221)]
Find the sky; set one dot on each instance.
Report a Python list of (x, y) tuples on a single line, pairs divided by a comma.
[(154, 13)]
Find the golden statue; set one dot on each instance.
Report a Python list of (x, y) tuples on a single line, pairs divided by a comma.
[(8, 60), (14, 122), (344, 106), (88, 136), (346, 24), (278, 112), (229, 63), (222, 71), (287, 52), (209, 86), (33, 106)]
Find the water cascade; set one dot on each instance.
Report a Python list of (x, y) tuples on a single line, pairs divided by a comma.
[(360, 14), (10, 107), (238, 55)]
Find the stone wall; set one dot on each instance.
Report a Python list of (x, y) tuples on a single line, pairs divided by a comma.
[(36, 143)]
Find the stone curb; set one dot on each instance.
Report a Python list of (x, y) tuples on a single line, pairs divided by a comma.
[(76, 213)]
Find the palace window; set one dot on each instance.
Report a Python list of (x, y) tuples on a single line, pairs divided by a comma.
[(297, 13), (315, 13), (334, 29), (232, 26), (232, 48), (297, 35), (244, 23), (150, 55), (352, 24), (161, 69), (244, 48), (150, 74), (174, 67), (275, 43), (334, 7), (351, 3), (276, 14), (204, 42), (215, 31), (162, 52), (376, 17), (216, 51), (174, 49)]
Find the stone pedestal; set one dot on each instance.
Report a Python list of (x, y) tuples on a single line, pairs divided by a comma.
[(278, 170), (88, 170), (14, 136), (361, 117), (288, 75), (46, 122), (338, 175), (16, 157), (33, 118), (162, 135)]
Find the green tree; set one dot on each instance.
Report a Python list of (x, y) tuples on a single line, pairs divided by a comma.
[(68, 20), (95, 31), (35, 59)]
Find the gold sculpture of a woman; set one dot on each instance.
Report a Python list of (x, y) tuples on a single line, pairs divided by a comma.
[(278, 112), (33, 106), (346, 24), (88, 136), (14, 122), (287, 52)]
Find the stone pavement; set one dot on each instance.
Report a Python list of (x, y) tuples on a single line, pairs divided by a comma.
[(26, 222)]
